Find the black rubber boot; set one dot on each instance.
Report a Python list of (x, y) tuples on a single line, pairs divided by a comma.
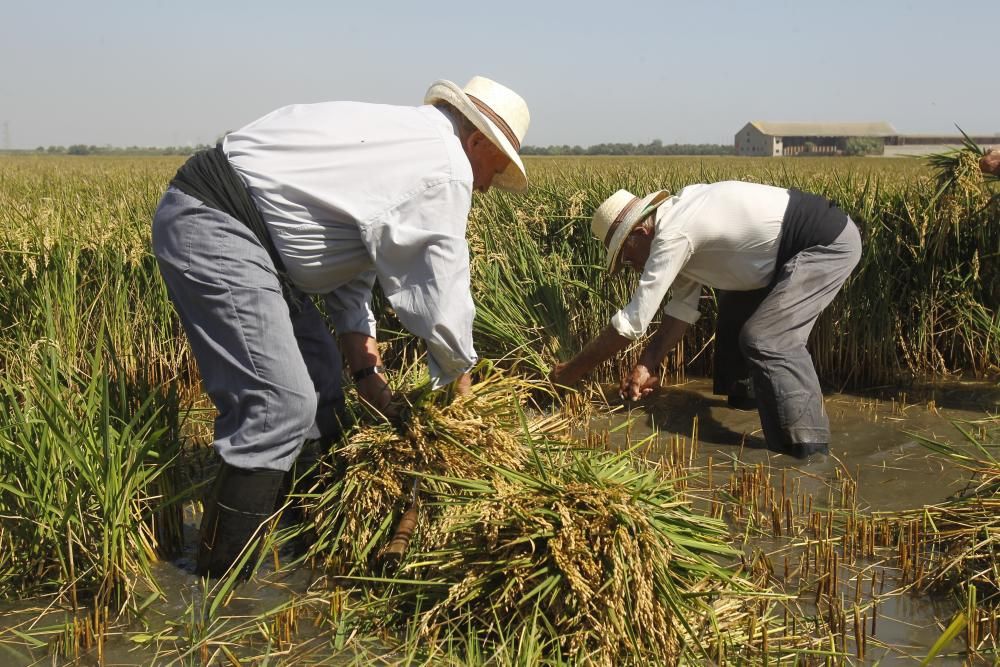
[(240, 502), (741, 395), (803, 450), (301, 479), (305, 479)]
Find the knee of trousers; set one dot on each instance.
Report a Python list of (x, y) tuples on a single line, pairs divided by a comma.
[(760, 345), (752, 344), (295, 410)]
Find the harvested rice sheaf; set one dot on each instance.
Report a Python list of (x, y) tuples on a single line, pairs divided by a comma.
[(595, 555), (612, 559), (960, 177), (373, 474)]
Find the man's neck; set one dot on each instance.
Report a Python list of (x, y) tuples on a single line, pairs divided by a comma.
[(454, 117)]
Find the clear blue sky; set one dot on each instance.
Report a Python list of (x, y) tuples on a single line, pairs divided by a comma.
[(167, 72)]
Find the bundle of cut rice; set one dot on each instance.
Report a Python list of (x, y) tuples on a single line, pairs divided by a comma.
[(606, 556), (959, 174), (595, 555), (371, 478)]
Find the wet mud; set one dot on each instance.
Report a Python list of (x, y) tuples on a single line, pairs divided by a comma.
[(875, 443), (876, 451)]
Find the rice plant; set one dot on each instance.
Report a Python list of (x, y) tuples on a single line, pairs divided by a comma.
[(966, 530), (99, 393), (90, 491), (595, 556)]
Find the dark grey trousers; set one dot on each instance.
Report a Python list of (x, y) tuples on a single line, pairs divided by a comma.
[(773, 340), (274, 375)]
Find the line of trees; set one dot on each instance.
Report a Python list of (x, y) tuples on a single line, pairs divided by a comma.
[(84, 149), (655, 147), (864, 146)]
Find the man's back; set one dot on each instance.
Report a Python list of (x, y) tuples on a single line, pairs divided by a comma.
[(328, 177), (344, 160), (732, 229)]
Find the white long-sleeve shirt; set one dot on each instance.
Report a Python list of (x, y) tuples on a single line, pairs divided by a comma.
[(723, 235), (351, 192)]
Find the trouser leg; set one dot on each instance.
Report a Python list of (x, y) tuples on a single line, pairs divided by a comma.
[(322, 358), (730, 373), (324, 362), (229, 300), (773, 341)]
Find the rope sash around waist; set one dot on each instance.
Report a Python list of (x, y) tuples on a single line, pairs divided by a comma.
[(208, 176), (809, 220)]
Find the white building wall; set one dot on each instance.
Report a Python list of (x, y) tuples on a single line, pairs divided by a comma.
[(911, 150), (753, 143)]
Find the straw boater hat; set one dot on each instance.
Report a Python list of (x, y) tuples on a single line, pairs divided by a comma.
[(617, 217), (496, 111)]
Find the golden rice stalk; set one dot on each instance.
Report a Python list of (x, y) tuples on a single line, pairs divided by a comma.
[(609, 555), (965, 530), (959, 176), (371, 477), (520, 533)]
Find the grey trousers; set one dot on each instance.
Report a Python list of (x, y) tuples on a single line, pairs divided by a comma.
[(274, 375), (773, 340)]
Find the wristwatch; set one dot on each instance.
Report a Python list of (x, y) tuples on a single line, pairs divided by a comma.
[(361, 374)]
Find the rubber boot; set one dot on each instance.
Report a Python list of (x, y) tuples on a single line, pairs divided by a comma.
[(803, 450), (241, 501), (305, 478), (741, 395)]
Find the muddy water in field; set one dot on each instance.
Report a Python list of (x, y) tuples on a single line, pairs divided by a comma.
[(876, 441), (172, 622), (170, 625), (875, 438)]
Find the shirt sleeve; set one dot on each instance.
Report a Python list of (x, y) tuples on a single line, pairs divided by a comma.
[(684, 298), (667, 256), (422, 263), (350, 306)]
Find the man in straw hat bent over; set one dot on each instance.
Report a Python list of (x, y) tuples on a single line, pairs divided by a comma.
[(779, 256), (323, 199)]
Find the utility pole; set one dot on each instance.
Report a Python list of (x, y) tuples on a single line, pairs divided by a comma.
[(6, 135)]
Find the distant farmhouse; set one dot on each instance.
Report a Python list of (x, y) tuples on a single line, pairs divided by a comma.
[(775, 139)]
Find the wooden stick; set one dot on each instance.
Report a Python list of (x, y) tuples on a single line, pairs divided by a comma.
[(400, 542)]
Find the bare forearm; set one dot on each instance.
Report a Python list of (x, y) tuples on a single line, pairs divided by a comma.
[(607, 344), (360, 351), (668, 334)]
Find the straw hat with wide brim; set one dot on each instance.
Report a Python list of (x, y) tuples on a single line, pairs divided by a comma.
[(496, 111), (617, 217)]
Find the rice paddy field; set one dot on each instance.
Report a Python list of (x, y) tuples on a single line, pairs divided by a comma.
[(552, 528)]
